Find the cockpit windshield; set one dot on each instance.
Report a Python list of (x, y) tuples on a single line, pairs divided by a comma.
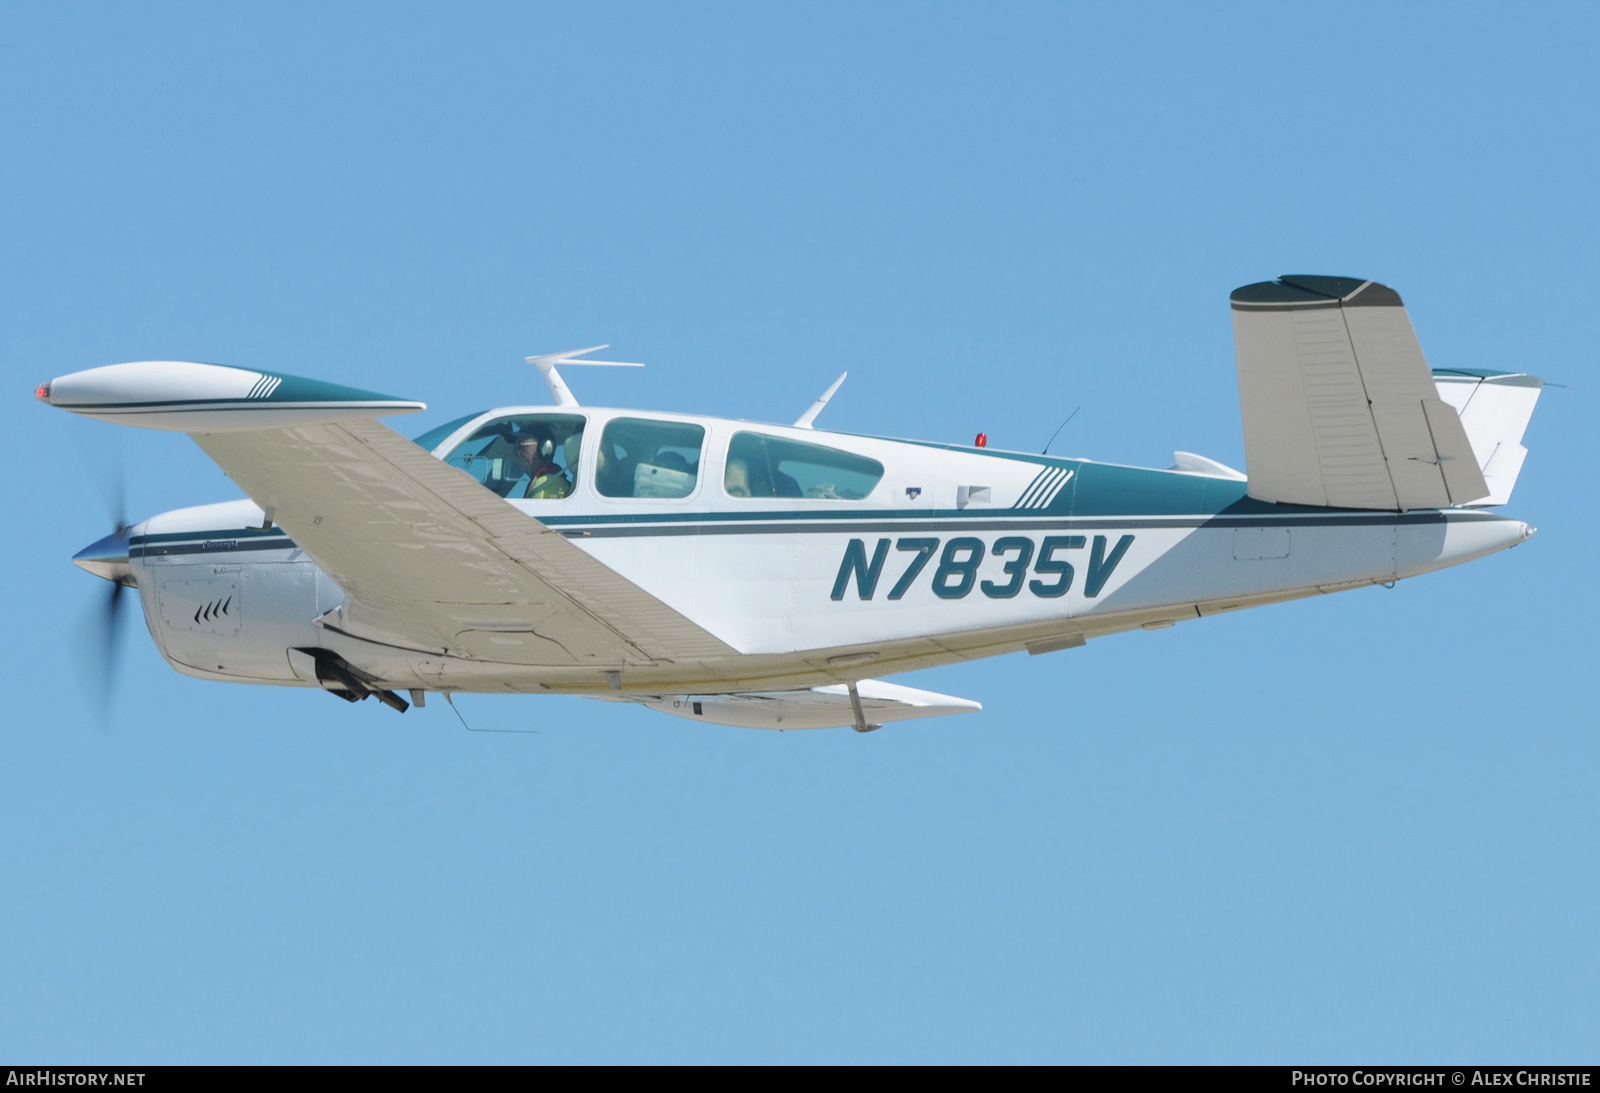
[(532, 456), (441, 433)]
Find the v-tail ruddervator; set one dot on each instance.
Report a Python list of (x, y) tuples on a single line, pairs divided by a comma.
[(756, 575)]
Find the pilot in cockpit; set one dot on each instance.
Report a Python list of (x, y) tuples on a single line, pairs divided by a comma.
[(546, 480)]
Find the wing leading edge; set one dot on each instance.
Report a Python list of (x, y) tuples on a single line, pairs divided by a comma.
[(1340, 409)]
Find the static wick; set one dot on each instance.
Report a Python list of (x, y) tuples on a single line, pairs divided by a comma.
[(1057, 433)]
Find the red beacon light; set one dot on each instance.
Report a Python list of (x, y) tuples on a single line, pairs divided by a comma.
[(981, 442), (42, 392)]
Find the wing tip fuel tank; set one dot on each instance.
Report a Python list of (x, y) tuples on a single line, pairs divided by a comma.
[(194, 397)]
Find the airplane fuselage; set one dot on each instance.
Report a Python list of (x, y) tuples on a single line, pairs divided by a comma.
[(951, 553)]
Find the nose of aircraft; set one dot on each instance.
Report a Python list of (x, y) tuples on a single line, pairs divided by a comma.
[(107, 557)]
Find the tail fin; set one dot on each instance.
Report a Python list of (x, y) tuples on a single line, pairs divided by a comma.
[(1339, 407), (1494, 408)]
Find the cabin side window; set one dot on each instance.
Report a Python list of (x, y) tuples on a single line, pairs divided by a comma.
[(532, 456), (770, 466), (642, 458)]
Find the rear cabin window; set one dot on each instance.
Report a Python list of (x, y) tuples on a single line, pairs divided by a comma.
[(770, 466), (642, 458), (532, 456)]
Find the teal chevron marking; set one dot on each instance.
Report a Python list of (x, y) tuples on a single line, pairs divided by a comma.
[(300, 389), (264, 386), (1049, 485), (1033, 488)]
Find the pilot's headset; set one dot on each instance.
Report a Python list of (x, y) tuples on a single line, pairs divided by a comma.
[(547, 447)]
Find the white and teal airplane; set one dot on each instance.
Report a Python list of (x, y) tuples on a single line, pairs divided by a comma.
[(754, 575)]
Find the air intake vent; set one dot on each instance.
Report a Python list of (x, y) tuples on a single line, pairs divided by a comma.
[(208, 607)]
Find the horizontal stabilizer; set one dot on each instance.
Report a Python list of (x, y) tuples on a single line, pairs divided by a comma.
[(1494, 408), (1189, 463), (817, 708), (1340, 409)]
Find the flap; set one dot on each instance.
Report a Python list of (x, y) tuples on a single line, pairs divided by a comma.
[(430, 559)]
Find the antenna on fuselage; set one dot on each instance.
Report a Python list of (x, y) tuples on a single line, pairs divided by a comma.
[(1057, 433), (816, 407), (546, 363)]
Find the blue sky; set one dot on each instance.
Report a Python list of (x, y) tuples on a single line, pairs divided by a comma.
[(1361, 828)]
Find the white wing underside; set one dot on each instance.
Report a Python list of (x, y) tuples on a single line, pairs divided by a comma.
[(430, 560), (817, 708), (1340, 409)]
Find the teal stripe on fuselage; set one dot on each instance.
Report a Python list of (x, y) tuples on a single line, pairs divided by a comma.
[(230, 533), (1098, 496), (221, 543), (998, 522), (212, 547)]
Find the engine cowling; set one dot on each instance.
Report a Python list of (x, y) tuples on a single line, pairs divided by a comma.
[(236, 621)]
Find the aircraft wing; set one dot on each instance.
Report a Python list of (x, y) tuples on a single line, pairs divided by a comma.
[(430, 559), (1340, 408)]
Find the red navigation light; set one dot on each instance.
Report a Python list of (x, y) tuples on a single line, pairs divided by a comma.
[(982, 441), (42, 392)]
